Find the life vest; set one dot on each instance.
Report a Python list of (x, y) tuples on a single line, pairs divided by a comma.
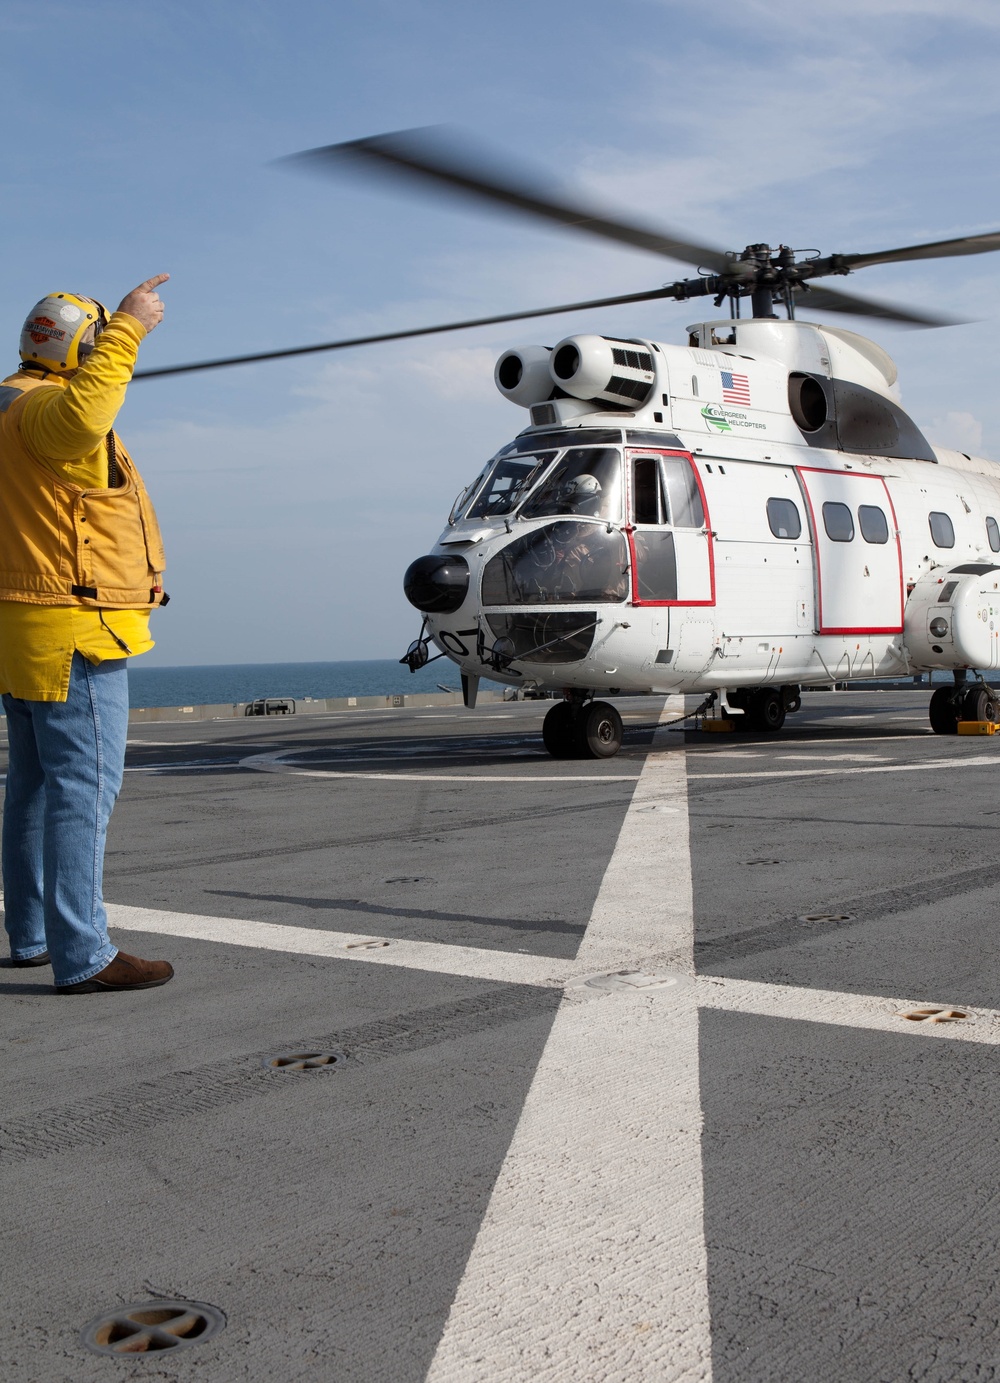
[(63, 545)]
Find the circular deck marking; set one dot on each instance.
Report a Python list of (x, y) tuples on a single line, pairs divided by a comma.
[(278, 763)]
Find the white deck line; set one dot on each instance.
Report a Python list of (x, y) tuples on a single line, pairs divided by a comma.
[(590, 1262), (278, 762), (973, 761), (472, 962)]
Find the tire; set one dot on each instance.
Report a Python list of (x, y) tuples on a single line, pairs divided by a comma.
[(943, 712), (558, 729), (979, 704), (766, 711), (599, 731)]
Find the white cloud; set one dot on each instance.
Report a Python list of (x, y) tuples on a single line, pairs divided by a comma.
[(959, 431)]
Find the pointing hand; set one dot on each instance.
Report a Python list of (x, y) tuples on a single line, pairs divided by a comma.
[(144, 303)]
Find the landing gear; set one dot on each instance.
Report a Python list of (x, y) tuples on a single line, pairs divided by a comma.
[(766, 711), (764, 708), (949, 705), (558, 730), (599, 731), (943, 712), (979, 704), (572, 730)]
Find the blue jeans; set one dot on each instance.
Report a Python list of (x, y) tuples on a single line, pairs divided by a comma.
[(67, 759)]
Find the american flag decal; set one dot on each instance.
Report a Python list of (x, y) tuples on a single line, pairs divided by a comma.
[(735, 388)]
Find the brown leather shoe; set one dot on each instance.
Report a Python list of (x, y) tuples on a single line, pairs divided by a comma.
[(124, 972)]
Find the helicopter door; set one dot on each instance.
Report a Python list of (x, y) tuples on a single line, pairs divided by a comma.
[(671, 546), (859, 568)]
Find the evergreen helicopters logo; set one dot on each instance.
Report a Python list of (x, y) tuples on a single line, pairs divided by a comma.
[(715, 417), (722, 419)]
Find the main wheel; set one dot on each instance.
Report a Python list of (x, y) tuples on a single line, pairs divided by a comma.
[(943, 712), (766, 711), (979, 704), (599, 731), (558, 731)]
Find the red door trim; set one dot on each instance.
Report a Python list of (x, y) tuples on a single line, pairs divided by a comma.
[(850, 629), (630, 452)]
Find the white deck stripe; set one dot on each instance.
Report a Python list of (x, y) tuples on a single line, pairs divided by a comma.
[(472, 962), (590, 1261), (873, 1012), (973, 761)]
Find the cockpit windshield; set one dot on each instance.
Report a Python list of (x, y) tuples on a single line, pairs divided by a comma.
[(586, 481), (502, 485)]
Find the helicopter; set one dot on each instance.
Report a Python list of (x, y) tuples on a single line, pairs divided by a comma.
[(743, 516)]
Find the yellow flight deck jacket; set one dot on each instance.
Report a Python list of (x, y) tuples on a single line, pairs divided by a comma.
[(71, 549)]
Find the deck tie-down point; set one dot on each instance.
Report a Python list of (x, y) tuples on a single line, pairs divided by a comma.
[(150, 1326), (631, 981), (305, 1061), (935, 1013)]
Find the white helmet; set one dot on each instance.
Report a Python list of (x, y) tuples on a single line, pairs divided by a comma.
[(582, 487)]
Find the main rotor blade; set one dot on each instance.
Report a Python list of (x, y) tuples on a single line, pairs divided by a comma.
[(934, 249), (430, 155), (344, 344), (833, 300)]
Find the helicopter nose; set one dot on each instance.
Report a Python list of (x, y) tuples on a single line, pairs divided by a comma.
[(437, 584)]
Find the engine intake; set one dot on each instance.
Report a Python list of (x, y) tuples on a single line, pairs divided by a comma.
[(522, 375), (600, 368)]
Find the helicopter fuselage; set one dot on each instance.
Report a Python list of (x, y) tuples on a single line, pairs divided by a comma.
[(766, 515)]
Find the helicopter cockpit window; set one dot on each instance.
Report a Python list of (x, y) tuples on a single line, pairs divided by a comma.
[(563, 563), (942, 530), (838, 522), (586, 481), (783, 518), (502, 485), (993, 533)]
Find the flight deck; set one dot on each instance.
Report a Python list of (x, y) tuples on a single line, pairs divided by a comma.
[(485, 1067)]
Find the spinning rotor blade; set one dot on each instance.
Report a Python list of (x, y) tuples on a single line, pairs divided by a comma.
[(833, 300), (431, 155), (405, 335), (934, 249)]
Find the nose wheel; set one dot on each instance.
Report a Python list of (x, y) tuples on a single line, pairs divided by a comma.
[(592, 731)]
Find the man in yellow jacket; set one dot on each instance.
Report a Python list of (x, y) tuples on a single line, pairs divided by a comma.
[(81, 565)]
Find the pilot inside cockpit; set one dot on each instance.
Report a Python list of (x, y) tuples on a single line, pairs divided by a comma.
[(581, 495), (586, 481)]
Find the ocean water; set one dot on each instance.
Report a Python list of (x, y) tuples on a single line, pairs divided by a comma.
[(232, 682)]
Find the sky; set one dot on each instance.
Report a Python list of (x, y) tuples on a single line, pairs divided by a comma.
[(143, 137)]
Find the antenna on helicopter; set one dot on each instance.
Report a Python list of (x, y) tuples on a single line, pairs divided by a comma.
[(436, 157)]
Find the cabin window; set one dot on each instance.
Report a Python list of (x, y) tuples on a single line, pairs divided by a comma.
[(993, 533), (783, 518), (838, 522), (942, 530), (874, 525)]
